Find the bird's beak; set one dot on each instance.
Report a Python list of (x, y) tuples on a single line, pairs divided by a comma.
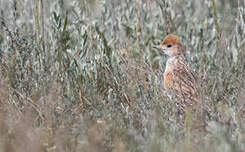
[(158, 47)]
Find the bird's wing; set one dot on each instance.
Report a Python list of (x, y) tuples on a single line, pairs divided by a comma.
[(184, 81)]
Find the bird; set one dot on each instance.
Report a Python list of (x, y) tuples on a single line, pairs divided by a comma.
[(180, 81)]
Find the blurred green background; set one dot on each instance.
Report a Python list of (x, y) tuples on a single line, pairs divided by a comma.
[(81, 75)]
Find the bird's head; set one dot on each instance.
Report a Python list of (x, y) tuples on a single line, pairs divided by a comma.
[(170, 46)]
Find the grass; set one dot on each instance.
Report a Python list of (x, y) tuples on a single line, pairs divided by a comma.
[(82, 75)]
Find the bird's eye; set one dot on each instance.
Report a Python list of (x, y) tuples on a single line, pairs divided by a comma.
[(169, 45)]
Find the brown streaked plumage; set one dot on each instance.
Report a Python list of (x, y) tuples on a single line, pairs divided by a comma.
[(179, 80)]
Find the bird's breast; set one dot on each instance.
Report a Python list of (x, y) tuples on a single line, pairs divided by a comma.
[(168, 74), (168, 79)]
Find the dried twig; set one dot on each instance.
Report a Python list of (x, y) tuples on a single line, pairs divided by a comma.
[(166, 19), (216, 22), (137, 29)]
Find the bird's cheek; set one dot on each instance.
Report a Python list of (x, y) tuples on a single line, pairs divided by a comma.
[(167, 52), (174, 51)]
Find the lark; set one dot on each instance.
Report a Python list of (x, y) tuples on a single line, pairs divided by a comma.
[(179, 79)]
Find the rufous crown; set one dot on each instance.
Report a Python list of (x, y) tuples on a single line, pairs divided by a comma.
[(171, 39)]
